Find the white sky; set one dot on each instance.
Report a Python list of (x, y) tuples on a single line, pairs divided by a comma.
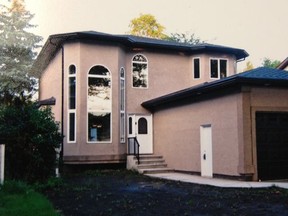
[(258, 26)]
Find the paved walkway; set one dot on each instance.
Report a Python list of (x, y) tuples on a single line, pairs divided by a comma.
[(216, 181)]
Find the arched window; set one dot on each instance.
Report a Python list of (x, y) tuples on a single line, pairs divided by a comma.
[(142, 126), (99, 104), (122, 105), (140, 71), (71, 103)]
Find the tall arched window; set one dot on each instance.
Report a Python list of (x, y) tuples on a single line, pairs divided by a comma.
[(71, 103), (99, 104), (140, 71), (122, 105)]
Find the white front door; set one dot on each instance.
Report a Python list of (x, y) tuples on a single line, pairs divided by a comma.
[(140, 126), (206, 151)]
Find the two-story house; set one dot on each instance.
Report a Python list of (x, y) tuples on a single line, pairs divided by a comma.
[(183, 101)]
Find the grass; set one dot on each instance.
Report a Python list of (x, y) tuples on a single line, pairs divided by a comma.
[(16, 198)]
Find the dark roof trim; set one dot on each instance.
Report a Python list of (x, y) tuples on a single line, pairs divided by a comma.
[(283, 64), (257, 77), (47, 102), (55, 42)]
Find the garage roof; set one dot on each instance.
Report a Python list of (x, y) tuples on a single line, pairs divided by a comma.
[(55, 42), (261, 76)]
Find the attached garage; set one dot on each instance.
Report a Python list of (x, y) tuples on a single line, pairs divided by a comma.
[(248, 114), (272, 145)]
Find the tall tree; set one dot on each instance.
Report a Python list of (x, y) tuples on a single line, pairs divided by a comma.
[(17, 51), (270, 63), (146, 25), (249, 66)]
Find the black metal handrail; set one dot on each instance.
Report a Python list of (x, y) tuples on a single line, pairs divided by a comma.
[(133, 147)]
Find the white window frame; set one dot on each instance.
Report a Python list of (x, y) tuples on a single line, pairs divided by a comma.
[(218, 68), (139, 62), (68, 105), (122, 128), (193, 68), (103, 111)]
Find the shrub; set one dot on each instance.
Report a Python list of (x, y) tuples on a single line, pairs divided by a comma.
[(31, 137)]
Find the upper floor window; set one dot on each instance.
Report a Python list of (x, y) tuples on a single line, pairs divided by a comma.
[(99, 104), (218, 68), (140, 71), (196, 67)]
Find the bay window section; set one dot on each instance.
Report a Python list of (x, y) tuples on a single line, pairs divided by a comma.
[(99, 104)]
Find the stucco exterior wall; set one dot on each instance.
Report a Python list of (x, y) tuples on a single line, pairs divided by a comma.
[(167, 72), (50, 84), (177, 134)]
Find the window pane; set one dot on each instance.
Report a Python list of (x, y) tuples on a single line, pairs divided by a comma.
[(72, 69), (99, 94), (72, 92), (142, 126), (139, 58), (196, 68), (214, 68), (99, 70), (71, 126), (223, 68), (140, 75), (122, 73), (99, 126), (122, 127), (130, 125), (122, 95)]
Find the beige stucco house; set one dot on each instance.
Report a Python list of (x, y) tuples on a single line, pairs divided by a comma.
[(182, 101)]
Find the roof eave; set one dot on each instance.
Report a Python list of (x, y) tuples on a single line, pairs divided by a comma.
[(233, 83)]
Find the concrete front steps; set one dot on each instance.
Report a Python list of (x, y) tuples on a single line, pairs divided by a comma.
[(149, 164)]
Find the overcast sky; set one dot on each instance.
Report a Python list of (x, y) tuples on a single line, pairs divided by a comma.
[(258, 26)]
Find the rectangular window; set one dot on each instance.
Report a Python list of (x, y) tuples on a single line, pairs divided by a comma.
[(214, 68), (196, 62), (218, 68), (72, 126), (72, 92), (122, 127), (223, 68)]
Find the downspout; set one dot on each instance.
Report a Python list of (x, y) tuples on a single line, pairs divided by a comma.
[(62, 107)]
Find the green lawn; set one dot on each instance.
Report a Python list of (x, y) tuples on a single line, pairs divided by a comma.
[(16, 198)]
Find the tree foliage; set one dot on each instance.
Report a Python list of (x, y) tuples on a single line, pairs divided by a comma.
[(146, 25), (249, 66), (270, 63), (17, 51), (31, 137), (185, 38)]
